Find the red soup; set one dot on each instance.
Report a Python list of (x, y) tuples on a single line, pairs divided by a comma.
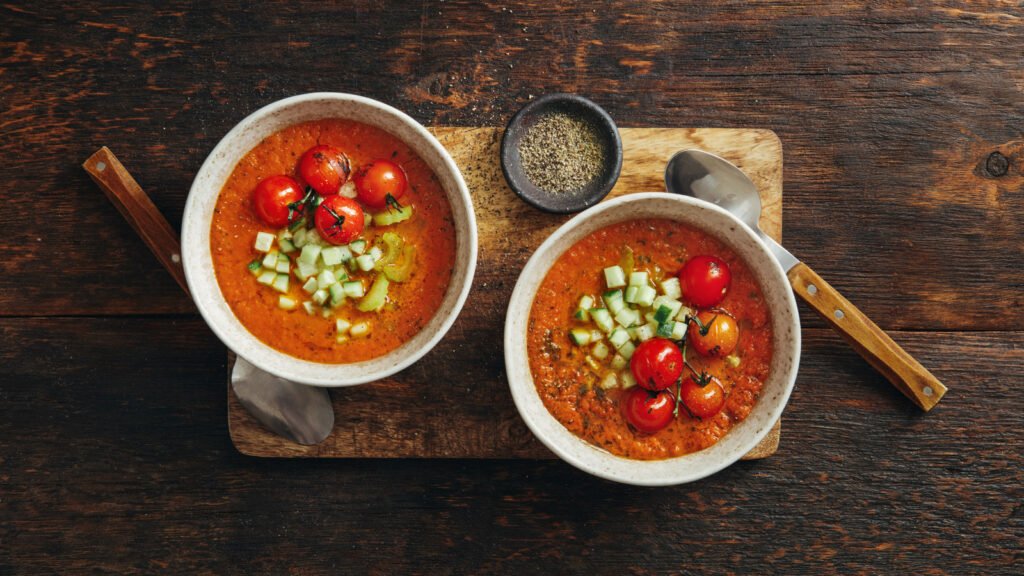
[(333, 241), (649, 339)]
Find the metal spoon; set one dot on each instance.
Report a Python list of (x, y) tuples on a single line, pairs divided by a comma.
[(298, 412), (712, 179)]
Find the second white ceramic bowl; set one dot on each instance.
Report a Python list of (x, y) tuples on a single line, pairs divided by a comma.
[(744, 436), (198, 260)]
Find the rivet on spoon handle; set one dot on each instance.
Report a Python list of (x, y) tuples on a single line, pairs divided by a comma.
[(136, 207), (885, 355)]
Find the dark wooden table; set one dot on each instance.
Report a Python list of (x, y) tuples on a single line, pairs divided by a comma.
[(902, 128)]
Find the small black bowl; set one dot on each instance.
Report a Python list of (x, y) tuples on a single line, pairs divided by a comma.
[(560, 203)]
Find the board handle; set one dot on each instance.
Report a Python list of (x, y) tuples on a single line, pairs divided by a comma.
[(885, 355), (132, 202)]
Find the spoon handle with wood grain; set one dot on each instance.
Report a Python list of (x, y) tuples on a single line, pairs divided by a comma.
[(136, 207), (885, 355)]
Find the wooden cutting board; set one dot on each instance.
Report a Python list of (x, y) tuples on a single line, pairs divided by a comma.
[(455, 402)]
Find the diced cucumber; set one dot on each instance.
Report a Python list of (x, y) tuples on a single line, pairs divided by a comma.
[(281, 283), (310, 286), (581, 314), (267, 277), (646, 332), (670, 288), (331, 255), (376, 253), (308, 307), (299, 238), (392, 216), (631, 293), (609, 381), (320, 296), (365, 262), (645, 297), (342, 325), (627, 317), (367, 219), (684, 314), (376, 296), (286, 303), (304, 271), (341, 338), (679, 330), (592, 363), (358, 247), (325, 279), (284, 234), (270, 260), (353, 289), (618, 362), (614, 277), (337, 294), (579, 336), (600, 350), (639, 279), (672, 304), (627, 350), (618, 337), (325, 312), (662, 314), (732, 360), (613, 301), (649, 317), (348, 189), (286, 245), (255, 266), (586, 303), (602, 318), (359, 330), (628, 380), (264, 241), (596, 335), (310, 252), (313, 237), (665, 329), (284, 265)]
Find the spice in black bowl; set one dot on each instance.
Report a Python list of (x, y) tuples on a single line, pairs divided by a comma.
[(561, 153)]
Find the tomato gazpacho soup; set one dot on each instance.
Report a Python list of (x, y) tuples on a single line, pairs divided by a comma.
[(333, 241), (650, 339)]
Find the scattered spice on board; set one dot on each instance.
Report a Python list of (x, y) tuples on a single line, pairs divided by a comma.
[(561, 153)]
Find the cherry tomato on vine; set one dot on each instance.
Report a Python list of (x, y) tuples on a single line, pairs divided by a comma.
[(714, 333), (704, 400), (339, 220), (380, 184), (271, 199), (656, 364), (325, 168), (648, 411), (705, 280)]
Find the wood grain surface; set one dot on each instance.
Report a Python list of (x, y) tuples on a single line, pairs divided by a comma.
[(903, 130), (407, 416)]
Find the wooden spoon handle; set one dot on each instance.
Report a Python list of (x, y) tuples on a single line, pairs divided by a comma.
[(907, 374), (136, 207)]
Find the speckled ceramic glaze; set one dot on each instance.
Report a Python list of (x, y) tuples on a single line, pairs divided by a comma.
[(744, 436), (198, 260)]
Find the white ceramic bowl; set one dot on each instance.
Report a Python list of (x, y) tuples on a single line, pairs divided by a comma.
[(742, 438), (198, 261)]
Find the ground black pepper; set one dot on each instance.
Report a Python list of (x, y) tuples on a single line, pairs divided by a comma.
[(561, 153)]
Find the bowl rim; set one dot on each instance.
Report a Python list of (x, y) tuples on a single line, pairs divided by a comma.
[(190, 224), (559, 443)]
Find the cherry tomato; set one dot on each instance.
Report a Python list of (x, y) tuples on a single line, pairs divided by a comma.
[(325, 168), (271, 199), (714, 333), (648, 411), (703, 401), (339, 219), (705, 280), (656, 364), (380, 184)]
